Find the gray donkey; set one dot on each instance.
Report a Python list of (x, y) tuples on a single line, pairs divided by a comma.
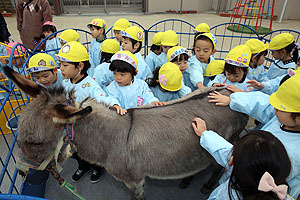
[(157, 142)]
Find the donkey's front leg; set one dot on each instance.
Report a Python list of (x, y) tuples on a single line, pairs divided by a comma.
[(136, 189)]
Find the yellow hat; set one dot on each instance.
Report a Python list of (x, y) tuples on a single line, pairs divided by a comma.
[(73, 52), (98, 22), (121, 25), (170, 77), (110, 46), (175, 51), (256, 46), (125, 56), (69, 35), (239, 56), (202, 28), (133, 32), (169, 38), (214, 68), (280, 41), (209, 36), (156, 40), (40, 62), (287, 97)]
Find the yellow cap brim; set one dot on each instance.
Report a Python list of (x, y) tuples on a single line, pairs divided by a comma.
[(277, 103)]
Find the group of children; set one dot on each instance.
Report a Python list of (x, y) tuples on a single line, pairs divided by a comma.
[(113, 71)]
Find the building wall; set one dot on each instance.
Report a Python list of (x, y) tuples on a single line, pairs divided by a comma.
[(164, 5)]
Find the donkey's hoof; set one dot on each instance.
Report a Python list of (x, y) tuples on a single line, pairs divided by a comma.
[(185, 182)]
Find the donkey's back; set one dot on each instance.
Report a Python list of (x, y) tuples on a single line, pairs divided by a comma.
[(163, 142)]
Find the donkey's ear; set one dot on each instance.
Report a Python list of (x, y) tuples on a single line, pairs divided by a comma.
[(28, 86), (64, 114)]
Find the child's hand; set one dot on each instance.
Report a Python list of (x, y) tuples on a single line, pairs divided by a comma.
[(2, 76), (158, 103), (219, 99), (119, 109), (255, 84), (199, 126), (233, 88), (3, 61), (218, 85)]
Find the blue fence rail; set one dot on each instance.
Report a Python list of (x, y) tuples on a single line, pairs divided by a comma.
[(13, 100)]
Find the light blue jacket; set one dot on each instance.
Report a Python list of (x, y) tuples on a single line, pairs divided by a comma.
[(131, 96), (51, 45), (221, 78), (95, 56), (162, 58), (258, 74), (143, 69), (165, 96), (88, 88), (196, 69), (256, 105), (271, 86), (152, 61), (103, 76), (275, 71)]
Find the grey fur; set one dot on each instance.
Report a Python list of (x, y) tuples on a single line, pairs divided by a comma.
[(158, 142)]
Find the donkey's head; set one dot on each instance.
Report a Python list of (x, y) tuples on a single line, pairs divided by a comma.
[(41, 123)]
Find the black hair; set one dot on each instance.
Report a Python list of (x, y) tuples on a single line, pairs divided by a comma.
[(87, 65), (292, 48), (181, 57), (49, 28), (105, 57), (254, 154), (96, 27), (133, 42), (201, 37), (51, 70), (212, 77), (232, 70), (122, 66), (258, 55), (153, 82), (155, 47)]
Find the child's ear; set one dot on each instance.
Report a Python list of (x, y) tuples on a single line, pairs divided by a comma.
[(213, 52), (136, 46), (55, 70), (81, 66)]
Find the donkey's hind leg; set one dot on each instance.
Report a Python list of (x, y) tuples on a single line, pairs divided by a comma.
[(136, 189), (217, 171)]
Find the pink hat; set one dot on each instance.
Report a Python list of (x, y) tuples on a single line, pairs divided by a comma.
[(49, 23), (18, 51)]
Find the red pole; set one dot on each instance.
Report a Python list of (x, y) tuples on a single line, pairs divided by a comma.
[(272, 15), (258, 15)]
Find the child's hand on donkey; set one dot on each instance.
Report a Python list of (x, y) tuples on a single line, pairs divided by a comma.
[(119, 109), (199, 126), (219, 99)]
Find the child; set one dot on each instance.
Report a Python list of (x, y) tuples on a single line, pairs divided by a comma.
[(257, 163), (120, 25), (203, 49), (102, 75), (169, 39), (235, 70), (214, 68), (44, 71), (97, 28), (204, 28), (52, 44), (128, 90), (258, 52), (166, 83), (132, 40), (74, 63), (68, 35), (285, 52), (179, 56), (152, 59), (283, 120)]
